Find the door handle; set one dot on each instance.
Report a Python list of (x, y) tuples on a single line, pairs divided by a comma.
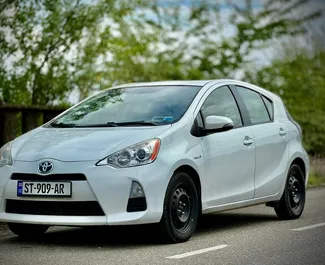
[(248, 141), (282, 131)]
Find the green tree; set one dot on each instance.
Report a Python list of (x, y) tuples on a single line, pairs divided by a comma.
[(300, 81), (50, 47), (192, 39)]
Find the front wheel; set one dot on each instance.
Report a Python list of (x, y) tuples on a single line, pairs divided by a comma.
[(293, 199), (28, 230), (181, 209)]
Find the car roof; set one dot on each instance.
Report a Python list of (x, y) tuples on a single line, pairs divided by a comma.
[(167, 83), (197, 83)]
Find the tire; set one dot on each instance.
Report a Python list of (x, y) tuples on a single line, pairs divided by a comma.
[(293, 199), (28, 230), (181, 209)]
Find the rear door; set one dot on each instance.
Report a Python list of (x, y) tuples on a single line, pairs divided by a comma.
[(271, 142), (229, 156)]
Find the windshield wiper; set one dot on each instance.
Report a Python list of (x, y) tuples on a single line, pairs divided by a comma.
[(113, 124), (71, 125), (62, 125), (109, 124), (137, 123)]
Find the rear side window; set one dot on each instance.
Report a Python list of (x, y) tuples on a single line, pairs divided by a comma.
[(221, 102), (255, 106), (269, 106)]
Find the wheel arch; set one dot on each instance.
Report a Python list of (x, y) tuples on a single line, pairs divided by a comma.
[(300, 162), (299, 159), (295, 160), (196, 179)]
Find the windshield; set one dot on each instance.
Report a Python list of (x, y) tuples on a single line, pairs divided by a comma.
[(155, 105)]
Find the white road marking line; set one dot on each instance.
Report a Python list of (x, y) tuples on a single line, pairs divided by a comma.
[(196, 252), (308, 227)]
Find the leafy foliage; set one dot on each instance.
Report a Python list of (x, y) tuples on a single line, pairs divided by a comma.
[(199, 45), (50, 48), (300, 81), (53, 46)]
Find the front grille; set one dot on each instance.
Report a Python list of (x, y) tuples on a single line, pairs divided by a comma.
[(53, 177), (79, 208)]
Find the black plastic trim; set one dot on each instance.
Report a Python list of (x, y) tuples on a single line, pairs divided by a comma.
[(272, 104), (60, 208), (241, 106), (51, 177), (136, 205), (199, 132), (240, 99)]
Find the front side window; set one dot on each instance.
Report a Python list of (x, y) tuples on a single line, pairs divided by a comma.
[(255, 106), (156, 105), (221, 102)]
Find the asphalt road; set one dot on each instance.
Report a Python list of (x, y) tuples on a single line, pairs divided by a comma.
[(247, 236)]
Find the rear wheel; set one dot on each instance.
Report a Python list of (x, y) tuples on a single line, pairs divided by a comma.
[(293, 199), (181, 209), (28, 230)]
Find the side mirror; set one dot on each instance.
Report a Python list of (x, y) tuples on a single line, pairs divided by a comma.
[(217, 124)]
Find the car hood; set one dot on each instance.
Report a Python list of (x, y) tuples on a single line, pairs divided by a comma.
[(79, 144)]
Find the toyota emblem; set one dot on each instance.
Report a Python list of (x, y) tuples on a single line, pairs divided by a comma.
[(45, 167)]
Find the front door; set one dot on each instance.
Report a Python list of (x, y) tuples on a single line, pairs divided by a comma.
[(229, 156)]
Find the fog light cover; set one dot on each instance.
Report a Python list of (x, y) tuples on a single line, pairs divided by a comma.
[(136, 190), (137, 201)]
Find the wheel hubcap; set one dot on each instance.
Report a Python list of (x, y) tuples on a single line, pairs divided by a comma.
[(180, 208), (294, 192)]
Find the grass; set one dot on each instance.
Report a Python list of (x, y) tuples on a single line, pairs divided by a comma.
[(317, 172)]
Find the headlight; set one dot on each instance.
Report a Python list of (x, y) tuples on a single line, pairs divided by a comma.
[(139, 154), (5, 155)]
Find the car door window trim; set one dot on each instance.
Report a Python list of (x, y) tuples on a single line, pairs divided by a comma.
[(240, 99), (195, 126), (246, 122), (241, 105), (271, 115), (240, 115)]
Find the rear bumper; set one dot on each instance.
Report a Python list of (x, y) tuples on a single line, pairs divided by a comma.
[(108, 186)]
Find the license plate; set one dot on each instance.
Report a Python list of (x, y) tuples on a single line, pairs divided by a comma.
[(32, 188)]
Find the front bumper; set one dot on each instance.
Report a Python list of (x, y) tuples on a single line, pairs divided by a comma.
[(108, 186)]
